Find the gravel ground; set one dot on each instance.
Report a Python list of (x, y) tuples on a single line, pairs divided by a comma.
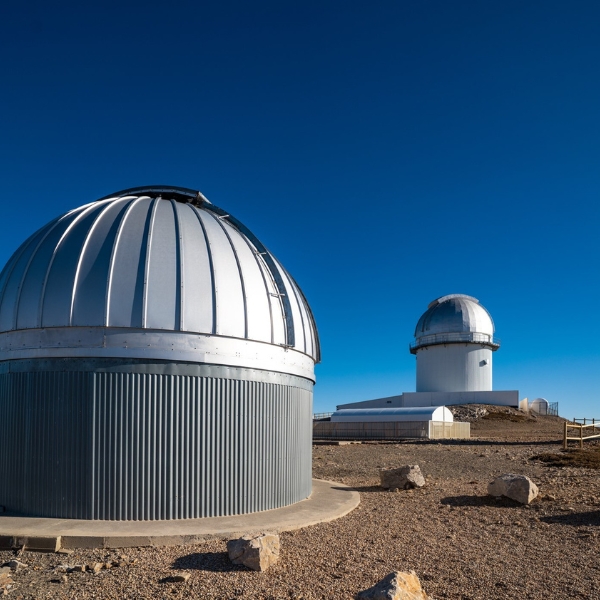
[(462, 543)]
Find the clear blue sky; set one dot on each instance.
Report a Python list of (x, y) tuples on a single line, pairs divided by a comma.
[(387, 152)]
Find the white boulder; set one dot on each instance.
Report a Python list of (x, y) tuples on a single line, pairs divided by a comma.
[(404, 478), (396, 586), (256, 552), (516, 487)]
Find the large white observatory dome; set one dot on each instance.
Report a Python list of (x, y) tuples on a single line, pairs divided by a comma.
[(155, 260), (168, 352)]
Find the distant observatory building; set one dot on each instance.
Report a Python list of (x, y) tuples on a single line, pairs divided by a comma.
[(156, 362), (454, 342)]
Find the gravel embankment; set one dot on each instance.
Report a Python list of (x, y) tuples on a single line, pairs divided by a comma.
[(462, 543)]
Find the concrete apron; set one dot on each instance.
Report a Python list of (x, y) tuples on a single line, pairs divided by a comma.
[(328, 501)]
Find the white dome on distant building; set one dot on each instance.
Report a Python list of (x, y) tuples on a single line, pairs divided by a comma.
[(455, 313)]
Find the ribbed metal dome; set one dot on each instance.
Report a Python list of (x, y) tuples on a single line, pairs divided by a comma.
[(155, 258), (455, 313)]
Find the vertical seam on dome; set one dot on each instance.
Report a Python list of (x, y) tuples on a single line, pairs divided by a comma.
[(196, 211), (26, 270), (316, 343), (280, 267), (256, 254), (11, 264), (111, 264), (82, 255), (147, 262), (237, 262), (269, 260), (179, 260)]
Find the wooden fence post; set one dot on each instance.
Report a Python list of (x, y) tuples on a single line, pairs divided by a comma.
[(581, 438), (565, 437)]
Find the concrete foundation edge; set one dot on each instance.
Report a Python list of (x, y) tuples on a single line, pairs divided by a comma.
[(329, 501)]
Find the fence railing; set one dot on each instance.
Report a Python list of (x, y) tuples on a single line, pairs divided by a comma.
[(321, 416), (594, 427), (454, 338), (551, 409)]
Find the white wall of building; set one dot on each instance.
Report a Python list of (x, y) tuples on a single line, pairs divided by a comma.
[(454, 368), (409, 399)]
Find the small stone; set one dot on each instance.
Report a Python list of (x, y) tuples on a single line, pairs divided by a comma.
[(396, 586), (77, 569), (257, 552), (404, 478), (96, 567), (64, 579), (63, 568), (64, 551), (5, 570), (108, 565), (180, 578), (516, 487)]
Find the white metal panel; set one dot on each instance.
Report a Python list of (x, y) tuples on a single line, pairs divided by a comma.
[(306, 319), (77, 342), (454, 368), (257, 297), (71, 233), (13, 274), (128, 268), (300, 342), (277, 313), (197, 279), (162, 286), (231, 314), (57, 293), (90, 288)]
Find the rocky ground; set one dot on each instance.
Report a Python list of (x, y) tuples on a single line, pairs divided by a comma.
[(462, 543)]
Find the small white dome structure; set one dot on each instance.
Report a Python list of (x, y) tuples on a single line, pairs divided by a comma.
[(539, 406), (156, 362), (393, 415), (454, 341)]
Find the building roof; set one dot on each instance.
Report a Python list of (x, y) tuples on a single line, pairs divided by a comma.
[(375, 415), (454, 318), (155, 258)]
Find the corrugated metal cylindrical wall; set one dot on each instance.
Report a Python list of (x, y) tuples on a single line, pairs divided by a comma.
[(133, 444), (454, 368)]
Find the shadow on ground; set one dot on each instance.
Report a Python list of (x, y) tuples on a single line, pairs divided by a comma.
[(590, 518), (501, 502), (366, 488), (217, 562)]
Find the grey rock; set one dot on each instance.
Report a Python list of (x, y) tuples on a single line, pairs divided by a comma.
[(5, 570), (404, 478), (257, 552), (180, 578), (15, 565), (396, 586), (63, 568), (516, 487)]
